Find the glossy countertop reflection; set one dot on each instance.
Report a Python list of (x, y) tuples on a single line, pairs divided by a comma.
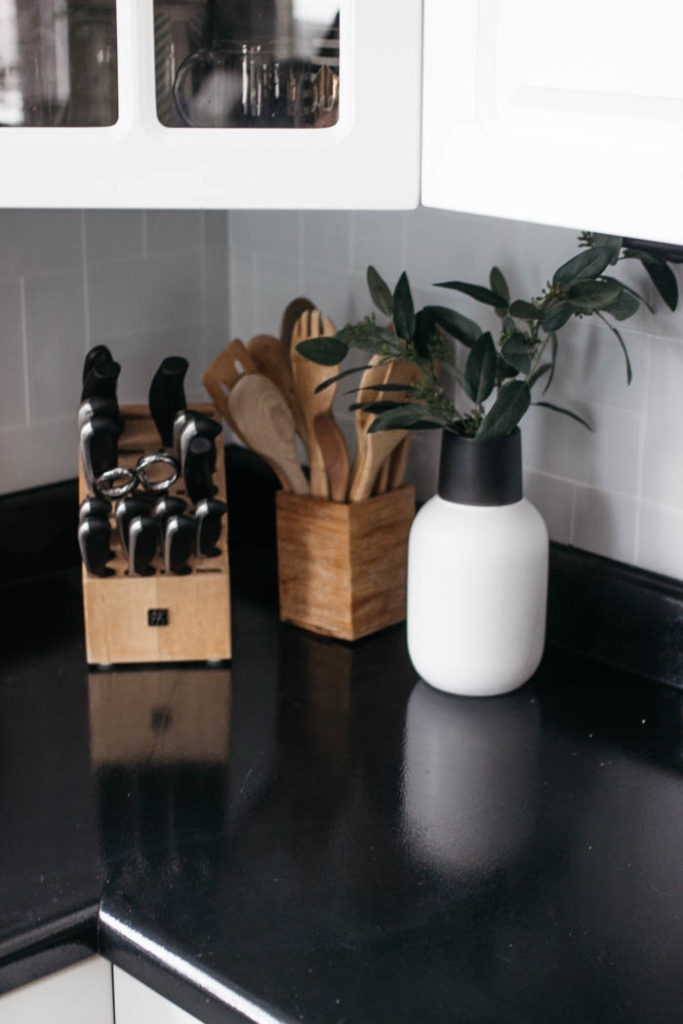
[(313, 834)]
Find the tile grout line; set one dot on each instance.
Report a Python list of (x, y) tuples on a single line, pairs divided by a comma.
[(641, 454), (25, 352), (86, 283)]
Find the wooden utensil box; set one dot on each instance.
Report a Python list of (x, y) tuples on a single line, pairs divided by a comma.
[(164, 617), (342, 568)]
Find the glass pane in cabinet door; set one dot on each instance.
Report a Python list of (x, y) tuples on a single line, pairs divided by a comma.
[(247, 63), (58, 63)]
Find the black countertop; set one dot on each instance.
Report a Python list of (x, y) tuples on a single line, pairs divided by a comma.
[(312, 834)]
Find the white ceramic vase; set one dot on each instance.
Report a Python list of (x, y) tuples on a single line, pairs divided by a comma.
[(477, 573)]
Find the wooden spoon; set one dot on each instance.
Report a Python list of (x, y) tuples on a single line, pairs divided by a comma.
[(307, 377), (335, 455), (266, 423), (272, 360), (290, 316)]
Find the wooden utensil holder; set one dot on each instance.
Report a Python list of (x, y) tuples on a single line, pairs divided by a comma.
[(342, 568), (164, 617)]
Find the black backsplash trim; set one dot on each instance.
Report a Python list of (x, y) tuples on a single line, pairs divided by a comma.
[(605, 610)]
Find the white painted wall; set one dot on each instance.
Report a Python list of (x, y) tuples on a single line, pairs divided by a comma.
[(148, 284), (618, 491), (154, 283)]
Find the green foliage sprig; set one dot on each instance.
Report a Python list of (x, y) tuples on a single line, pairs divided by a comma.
[(508, 370)]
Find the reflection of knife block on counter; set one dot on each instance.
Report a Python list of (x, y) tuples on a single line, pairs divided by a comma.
[(164, 617), (342, 567)]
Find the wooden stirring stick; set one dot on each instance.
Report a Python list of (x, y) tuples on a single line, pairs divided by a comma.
[(335, 455), (272, 360), (266, 423), (290, 316), (307, 377)]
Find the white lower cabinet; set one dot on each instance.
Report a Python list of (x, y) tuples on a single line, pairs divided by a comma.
[(81, 994), (135, 1003)]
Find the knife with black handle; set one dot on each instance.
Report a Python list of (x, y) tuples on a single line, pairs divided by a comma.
[(143, 538), (199, 426), (92, 356), (166, 507), (101, 380), (179, 544), (198, 471), (97, 508), (127, 509), (180, 421), (99, 447), (167, 395), (108, 408), (208, 515), (94, 534)]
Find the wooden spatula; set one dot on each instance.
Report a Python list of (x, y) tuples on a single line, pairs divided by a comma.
[(376, 449), (335, 454), (222, 374), (265, 421), (272, 360), (307, 377)]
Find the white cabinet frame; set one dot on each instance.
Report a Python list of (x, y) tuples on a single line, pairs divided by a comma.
[(369, 159)]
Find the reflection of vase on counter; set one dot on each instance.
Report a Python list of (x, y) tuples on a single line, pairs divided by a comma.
[(469, 801)]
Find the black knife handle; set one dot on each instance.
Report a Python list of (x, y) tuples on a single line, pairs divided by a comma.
[(94, 534), (167, 395), (143, 535), (166, 507), (102, 380), (198, 471), (179, 544), (92, 356), (97, 508), (199, 426), (108, 408), (180, 421), (127, 509), (208, 515), (99, 447)]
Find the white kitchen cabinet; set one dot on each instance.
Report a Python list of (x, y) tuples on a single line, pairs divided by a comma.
[(137, 1004), (91, 119), (81, 994), (567, 115)]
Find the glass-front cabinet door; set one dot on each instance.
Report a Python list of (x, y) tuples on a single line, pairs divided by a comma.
[(210, 103)]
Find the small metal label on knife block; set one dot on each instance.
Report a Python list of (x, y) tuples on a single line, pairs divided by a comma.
[(342, 568), (193, 609)]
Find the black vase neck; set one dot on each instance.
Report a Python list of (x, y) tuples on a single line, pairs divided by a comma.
[(481, 472)]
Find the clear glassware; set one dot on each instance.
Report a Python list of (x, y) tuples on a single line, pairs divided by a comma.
[(58, 63), (247, 63)]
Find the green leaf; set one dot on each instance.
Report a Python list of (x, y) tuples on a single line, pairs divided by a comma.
[(587, 264), (475, 291), (624, 306), (617, 335), (410, 415), (664, 281), (382, 387), (611, 242), (404, 311), (423, 335), (539, 372), (504, 369), (499, 285), (590, 296), (513, 401), (553, 360), (340, 376), (557, 317), (525, 310), (455, 324), (509, 324), (565, 412), (633, 292), (480, 369), (325, 351), (660, 272), (380, 292), (376, 407), (516, 352)]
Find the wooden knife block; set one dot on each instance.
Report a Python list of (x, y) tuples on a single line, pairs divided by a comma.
[(164, 617), (342, 568)]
